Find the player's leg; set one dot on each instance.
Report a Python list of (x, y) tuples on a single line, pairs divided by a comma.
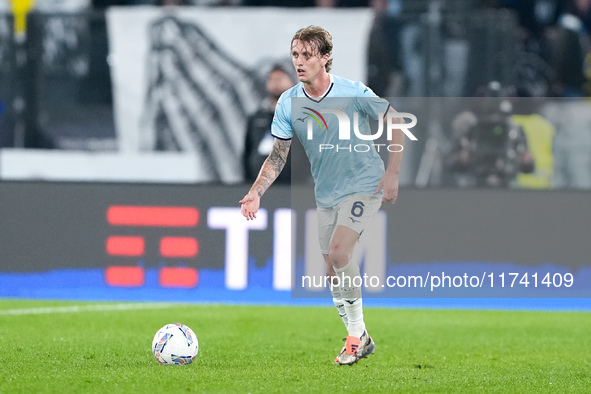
[(358, 343), (335, 290), (353, 215), (340, 252), (326, 223)]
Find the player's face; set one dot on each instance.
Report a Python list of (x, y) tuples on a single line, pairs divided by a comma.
[(307, 61)]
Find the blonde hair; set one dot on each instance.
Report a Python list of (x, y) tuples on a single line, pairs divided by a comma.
[(319, 38)]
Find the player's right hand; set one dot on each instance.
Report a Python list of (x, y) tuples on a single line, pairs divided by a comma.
[(249, 205)]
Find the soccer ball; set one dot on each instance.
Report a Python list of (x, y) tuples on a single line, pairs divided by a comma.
[(175, 344)]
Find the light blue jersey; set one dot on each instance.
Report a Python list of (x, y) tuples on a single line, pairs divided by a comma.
[(341, 163)]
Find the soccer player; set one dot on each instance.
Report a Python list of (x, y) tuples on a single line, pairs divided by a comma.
[(350, 182)]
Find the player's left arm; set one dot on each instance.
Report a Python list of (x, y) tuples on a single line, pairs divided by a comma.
[(389, 182)]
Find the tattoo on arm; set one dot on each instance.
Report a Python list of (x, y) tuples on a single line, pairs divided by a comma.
[(272, 166)]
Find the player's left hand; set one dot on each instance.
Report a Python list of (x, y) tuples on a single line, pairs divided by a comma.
[(389, 183)]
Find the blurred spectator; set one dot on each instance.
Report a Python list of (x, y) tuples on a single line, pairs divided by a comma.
[(566, 58), (572, 144), (412, 48), (568, 44), (395, 52), (539, 133), (488, 148), (384, 70), (430, 45), (258, 140), (581, 9), (455, 47), (534, 17)]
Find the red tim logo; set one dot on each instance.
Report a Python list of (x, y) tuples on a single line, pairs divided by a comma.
[(170, 247)]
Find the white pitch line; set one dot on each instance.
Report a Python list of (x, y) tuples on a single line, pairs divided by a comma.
[(85, 308)]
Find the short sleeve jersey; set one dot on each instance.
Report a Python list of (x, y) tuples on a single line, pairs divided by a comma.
[(341, 163)]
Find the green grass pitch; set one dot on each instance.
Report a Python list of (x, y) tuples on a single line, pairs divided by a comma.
[(87, 347)]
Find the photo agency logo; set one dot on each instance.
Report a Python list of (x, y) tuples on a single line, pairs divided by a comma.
[(394, 121)]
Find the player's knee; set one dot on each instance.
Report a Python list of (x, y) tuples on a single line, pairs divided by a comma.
[(339, 255)]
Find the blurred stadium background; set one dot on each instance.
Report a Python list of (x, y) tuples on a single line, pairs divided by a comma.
[(112, 112)]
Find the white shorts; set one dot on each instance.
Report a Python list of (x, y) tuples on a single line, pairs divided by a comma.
[(354, 212)]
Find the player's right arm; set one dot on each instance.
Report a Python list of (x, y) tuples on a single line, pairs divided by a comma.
[(270, 170)]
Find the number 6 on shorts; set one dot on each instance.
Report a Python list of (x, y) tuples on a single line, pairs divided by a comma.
[(357, 208)]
